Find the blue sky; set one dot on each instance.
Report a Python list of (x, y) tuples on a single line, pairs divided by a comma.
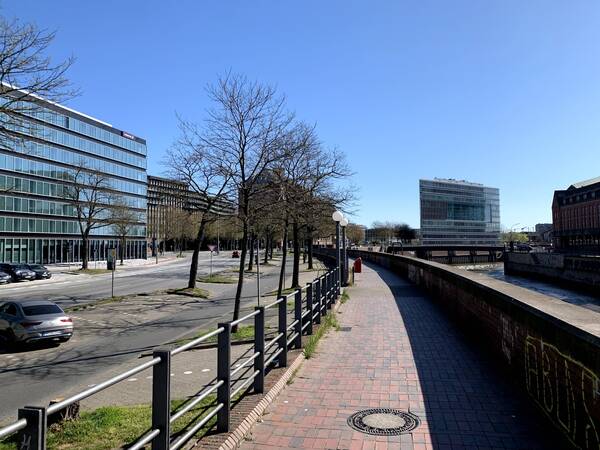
[(506, 92)]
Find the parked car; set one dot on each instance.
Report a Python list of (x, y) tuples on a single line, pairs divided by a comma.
[(18, 272), (34, 320), (41, 272), (235, 254), (5, 278)]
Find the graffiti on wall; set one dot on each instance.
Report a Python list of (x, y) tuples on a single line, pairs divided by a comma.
[(566, 390)]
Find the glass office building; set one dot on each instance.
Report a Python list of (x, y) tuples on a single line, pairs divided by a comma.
[(37, 222), (459, 213)]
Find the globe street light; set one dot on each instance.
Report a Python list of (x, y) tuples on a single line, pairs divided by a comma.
[(344, 224), (337, 216)]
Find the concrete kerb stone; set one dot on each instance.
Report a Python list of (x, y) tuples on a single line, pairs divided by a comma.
[(240, 433)]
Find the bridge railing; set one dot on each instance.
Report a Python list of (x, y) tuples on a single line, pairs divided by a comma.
[(233, 379)]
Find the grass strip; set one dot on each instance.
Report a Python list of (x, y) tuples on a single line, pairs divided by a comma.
[(114, 427), (345, 297), (216, 278), (327, 322), (104, 301), (190, 292)]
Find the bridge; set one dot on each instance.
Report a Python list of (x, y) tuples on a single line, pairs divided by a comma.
[(452, 254)]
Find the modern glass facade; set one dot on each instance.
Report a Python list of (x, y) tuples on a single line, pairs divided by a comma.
[(459, 213), (37, 223)]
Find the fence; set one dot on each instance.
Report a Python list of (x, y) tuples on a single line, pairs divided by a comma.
[(311, 302)]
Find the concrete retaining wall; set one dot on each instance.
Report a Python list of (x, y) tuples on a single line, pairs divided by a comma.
[(578, 271), (551, 349)]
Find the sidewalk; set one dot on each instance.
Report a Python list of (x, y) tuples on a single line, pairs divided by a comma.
[(396, 349)]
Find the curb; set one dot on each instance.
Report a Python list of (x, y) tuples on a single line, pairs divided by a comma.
[(236, 438), (238, 435)]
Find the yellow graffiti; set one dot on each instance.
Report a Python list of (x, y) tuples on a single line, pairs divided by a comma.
[(548, 378)]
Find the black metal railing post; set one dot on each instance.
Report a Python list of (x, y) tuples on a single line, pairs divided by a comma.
[(329, 289), (33, 436), (259, 347), (223, 374), (161, 399), (323, 301), (309, 307), (298, 318), (283, 331), (317, 296), (337, 283)]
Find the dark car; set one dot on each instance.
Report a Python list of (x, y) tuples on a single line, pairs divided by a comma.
[(31, 321), (18, 272), (5, 278), (235, 254), (41, 272)]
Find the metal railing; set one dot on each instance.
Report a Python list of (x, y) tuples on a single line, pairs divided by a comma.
[(311, 302)]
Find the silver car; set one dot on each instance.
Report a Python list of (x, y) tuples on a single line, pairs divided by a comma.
[(33, 321)]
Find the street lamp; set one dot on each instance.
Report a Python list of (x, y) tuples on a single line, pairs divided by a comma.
[(337, 216), (344, 224)]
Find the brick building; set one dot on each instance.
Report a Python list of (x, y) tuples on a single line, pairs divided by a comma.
[(576, 218)]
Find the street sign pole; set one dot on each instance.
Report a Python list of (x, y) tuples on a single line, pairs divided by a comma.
[(257, 271), (113, 257), (212, 249)]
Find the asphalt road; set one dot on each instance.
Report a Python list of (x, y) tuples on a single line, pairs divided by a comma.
[(80, 289), (35, 376)]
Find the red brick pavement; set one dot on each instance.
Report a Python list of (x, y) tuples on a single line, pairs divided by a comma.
[(401, 352)]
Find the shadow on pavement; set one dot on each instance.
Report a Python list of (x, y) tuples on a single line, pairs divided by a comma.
[(468, 401)]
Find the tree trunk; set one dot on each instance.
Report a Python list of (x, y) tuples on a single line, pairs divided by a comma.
[(267, 243), (310, 250), (238, 292), (296, 245), (86, 247), (252, 243), (195, 254), (283, 260), (123, 244)]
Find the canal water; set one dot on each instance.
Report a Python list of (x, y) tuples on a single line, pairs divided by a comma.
[(567, 295)]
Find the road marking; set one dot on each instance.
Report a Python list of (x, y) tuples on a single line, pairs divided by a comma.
[(172, 374), (132, 379), (91, 385), (149, 377), (205, 370), (187, 372)]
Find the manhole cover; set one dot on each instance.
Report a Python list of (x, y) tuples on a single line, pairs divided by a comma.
[(383, 421)]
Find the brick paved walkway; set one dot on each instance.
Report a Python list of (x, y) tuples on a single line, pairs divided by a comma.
[(401, 352)]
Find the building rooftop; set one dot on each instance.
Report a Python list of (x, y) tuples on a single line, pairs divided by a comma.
[(454, 181), (585, 183)]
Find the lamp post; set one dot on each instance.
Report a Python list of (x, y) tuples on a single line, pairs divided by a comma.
[(337, 216), (344, 274)]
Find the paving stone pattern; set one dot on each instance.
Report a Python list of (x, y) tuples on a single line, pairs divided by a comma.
[(401, 352)]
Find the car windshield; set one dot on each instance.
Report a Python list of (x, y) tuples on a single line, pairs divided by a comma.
[(20, 267), (38, 310), (36, 267)]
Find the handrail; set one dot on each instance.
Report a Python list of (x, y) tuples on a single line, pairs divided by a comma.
[(195, 342), (245, 383), (246, 317), (273, 341), (145, 439), (273, 356), (183, 439), (10, 429), (100, 387), (241, 366), (292, 325), (194, 402), (276, 302)]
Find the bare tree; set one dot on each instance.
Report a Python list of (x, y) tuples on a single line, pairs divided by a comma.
[(192, 161), (244, 129), (26, 75), (88, 193), (181, 226), (123, 219)]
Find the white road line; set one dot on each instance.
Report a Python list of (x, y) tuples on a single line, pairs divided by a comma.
[(132, 379), (187, 372), (205, 370), (149, 377)]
